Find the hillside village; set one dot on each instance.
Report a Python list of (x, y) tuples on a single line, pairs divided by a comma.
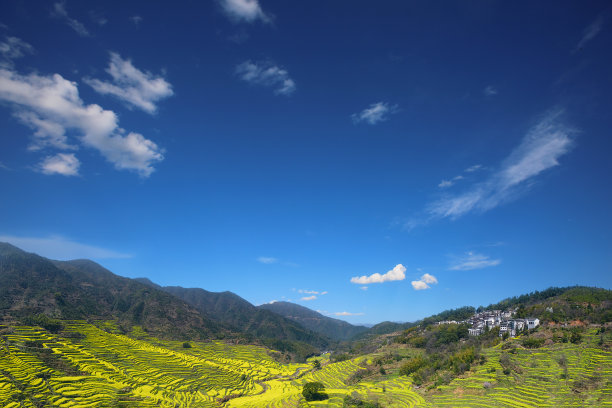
[(486, 320)]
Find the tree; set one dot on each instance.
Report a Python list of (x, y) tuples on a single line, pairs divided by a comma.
[(316, 365), (314, 391)]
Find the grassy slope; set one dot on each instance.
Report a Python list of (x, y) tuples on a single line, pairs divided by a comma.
[(86, 366)]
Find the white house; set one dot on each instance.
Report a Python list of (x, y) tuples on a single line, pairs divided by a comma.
[(532, 322)]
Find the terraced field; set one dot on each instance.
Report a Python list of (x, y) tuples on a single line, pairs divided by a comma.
[(86, 366), (562, 375)]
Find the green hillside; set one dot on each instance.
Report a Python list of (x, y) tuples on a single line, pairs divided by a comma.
[(31, 285), (253, 322), (327, 326)]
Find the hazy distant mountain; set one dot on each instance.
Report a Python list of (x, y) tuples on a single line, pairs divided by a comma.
[(333, 328), (233, 310), (82, 289)]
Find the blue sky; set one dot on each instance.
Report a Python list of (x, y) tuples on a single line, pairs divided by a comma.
[(370, 161)]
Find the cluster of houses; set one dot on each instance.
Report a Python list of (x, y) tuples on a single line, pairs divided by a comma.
[(480, 322)]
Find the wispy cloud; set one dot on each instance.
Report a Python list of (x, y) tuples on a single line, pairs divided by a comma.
[(62, 163), (424, 282), (267, 260), (266, 74), (12, 48), (590, 32), (375, 113), (490, 91), (472, 260), (57, 247), (308, 298), (247, 11), (134, 87), (363, 288), (473, 168), (541, 148), (347, 314), (51, 105), (59, 11), (396, 274), (312, 292), (136, 20), (451, 182)]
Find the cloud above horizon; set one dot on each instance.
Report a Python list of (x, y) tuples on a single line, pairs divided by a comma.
[(347, 314), (51, 106), (424, 282), (396, 274), (472, 260), (134, 87), (62, 163), (308, 298), (375, 113), (268, 75), (540, 149), (12, 48), (60, 248), (247, 11), (59, 11), (267, 260), (590, 32)]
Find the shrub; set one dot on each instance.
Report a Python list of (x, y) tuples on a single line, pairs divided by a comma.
[(533, 342), (412, 365), (355, 402), (186, 344), (314, 391)]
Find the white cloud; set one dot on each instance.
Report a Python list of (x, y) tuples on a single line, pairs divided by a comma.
[(377, 112), (347, 314), (12, 48), (61, 163), (56, 247), (136, 20), (266, 74), (445, 183), (473, 168), (472, 261), (312, 292), (424, 282), (271, 302), (490, 91), (51, 104), (59, 11), (244, 10), (364, 288), (267, 260), (451, 182), (419, 285), (427, 278), (133, 86), (395, 274), (590, 32), (308, 298), (539, 150)]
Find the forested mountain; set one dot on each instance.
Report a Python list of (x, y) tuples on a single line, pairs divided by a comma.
[(255, 323), (333, 328), (31, 285)]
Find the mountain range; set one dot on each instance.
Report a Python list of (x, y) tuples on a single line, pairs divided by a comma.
[(82, 289)]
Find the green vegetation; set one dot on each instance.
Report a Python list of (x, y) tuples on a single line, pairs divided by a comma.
[(314, 391)]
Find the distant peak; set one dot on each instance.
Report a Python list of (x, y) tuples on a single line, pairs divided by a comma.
[(7, 249)]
